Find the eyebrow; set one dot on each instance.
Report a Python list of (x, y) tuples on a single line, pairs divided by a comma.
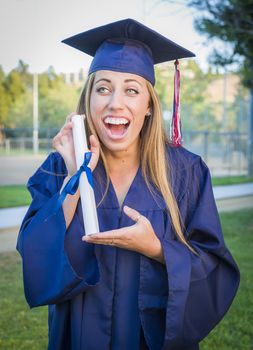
[(125, 81)]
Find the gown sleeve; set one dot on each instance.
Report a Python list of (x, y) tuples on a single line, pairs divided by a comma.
[(57, 265), (201, 286)]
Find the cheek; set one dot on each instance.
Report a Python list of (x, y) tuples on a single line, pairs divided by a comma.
[(95, 109), (140, 123), (141, 115), (93, 105)]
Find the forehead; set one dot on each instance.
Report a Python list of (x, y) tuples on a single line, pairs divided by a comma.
[(119, 77)]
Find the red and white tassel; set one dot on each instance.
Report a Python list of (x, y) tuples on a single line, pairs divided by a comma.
[(175, 130)]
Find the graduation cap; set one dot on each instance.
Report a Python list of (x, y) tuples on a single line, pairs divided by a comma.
[(130, 47)]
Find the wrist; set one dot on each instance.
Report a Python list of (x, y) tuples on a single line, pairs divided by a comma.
[(66, 179), (158, 252)]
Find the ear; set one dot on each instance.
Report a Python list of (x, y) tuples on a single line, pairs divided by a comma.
[(148, 113)]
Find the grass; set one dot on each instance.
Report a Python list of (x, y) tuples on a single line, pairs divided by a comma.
[(231, 180), (235, 332), (21, 328), (20, 152), (14, 196), (17, 195)]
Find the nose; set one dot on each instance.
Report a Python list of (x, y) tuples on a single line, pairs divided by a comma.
[(116, 100)]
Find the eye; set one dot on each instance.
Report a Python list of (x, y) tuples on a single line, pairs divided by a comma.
[(102, 90), (132, 91)]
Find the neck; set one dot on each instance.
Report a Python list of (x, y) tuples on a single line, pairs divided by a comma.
[(122, 161)]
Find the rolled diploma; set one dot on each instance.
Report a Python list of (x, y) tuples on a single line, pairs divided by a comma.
[(86, 191)]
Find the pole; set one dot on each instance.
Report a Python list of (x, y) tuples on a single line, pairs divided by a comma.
[(35, 114), (224, 118), (250, 135)]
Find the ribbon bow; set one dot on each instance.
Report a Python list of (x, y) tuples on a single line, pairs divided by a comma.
[(73, 183)]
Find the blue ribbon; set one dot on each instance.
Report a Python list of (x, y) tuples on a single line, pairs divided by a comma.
[(73, 183)]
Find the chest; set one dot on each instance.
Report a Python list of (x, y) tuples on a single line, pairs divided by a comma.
[(122, 183)]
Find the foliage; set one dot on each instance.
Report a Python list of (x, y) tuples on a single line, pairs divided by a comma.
[(20, 111), (56, 98), (56, 101), (196, 110), (13, 87), (231, 21), (5, 99)]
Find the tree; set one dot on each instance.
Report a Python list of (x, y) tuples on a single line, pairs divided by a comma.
[(58, 102), (5, 100), (14, 85), (196, 110), (230, 21), (22, 69), (56, 99)]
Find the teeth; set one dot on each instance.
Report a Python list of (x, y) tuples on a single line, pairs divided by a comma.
[(116, 121)]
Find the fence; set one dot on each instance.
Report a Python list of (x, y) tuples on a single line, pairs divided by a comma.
[(224, 152)]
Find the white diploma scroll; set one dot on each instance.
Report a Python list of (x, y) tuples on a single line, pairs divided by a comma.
[(86, 191)]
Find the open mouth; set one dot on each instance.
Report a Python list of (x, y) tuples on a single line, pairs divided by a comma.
[(116, 126)]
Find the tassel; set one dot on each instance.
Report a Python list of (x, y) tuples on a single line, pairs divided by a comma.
[(175, 130)]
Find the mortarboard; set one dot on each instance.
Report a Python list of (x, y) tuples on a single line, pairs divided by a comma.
[(130, 47)]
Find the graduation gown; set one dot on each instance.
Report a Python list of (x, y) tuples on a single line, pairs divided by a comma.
[(103, 297)]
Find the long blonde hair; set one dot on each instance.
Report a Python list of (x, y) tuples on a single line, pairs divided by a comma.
[(154, 162)]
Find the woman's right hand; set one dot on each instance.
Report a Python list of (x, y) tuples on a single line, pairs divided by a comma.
[(64, 144)]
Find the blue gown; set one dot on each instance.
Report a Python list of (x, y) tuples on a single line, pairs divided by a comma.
[(103, 297)]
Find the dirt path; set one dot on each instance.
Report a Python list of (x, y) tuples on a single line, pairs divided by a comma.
[(15, 170)]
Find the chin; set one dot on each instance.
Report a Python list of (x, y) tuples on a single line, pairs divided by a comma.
[(115, 147), (119, 146)]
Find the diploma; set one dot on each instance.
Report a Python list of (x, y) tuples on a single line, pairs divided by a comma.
[(86, 191)]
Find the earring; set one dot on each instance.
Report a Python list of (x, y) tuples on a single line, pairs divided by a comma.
[(148, 114)]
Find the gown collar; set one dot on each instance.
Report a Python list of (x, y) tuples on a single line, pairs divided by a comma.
[(138, 196)]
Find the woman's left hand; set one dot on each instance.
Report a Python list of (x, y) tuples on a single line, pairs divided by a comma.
[(139, 237)]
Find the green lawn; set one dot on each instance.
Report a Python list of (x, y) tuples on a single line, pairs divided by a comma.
[(14, 196), (235, 332), (21, 328), (20, 152), (17, 195), (231, 180)]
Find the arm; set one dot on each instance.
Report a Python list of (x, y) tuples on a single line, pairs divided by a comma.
[(52, 272), (56, 264), (70, 203)]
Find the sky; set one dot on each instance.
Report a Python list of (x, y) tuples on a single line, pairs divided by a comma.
[(32, 30)]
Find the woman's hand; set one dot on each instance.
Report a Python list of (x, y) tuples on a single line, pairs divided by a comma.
[(139, 237), (64, 144)]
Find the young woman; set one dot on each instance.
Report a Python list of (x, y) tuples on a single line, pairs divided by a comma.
[(158, 274)]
